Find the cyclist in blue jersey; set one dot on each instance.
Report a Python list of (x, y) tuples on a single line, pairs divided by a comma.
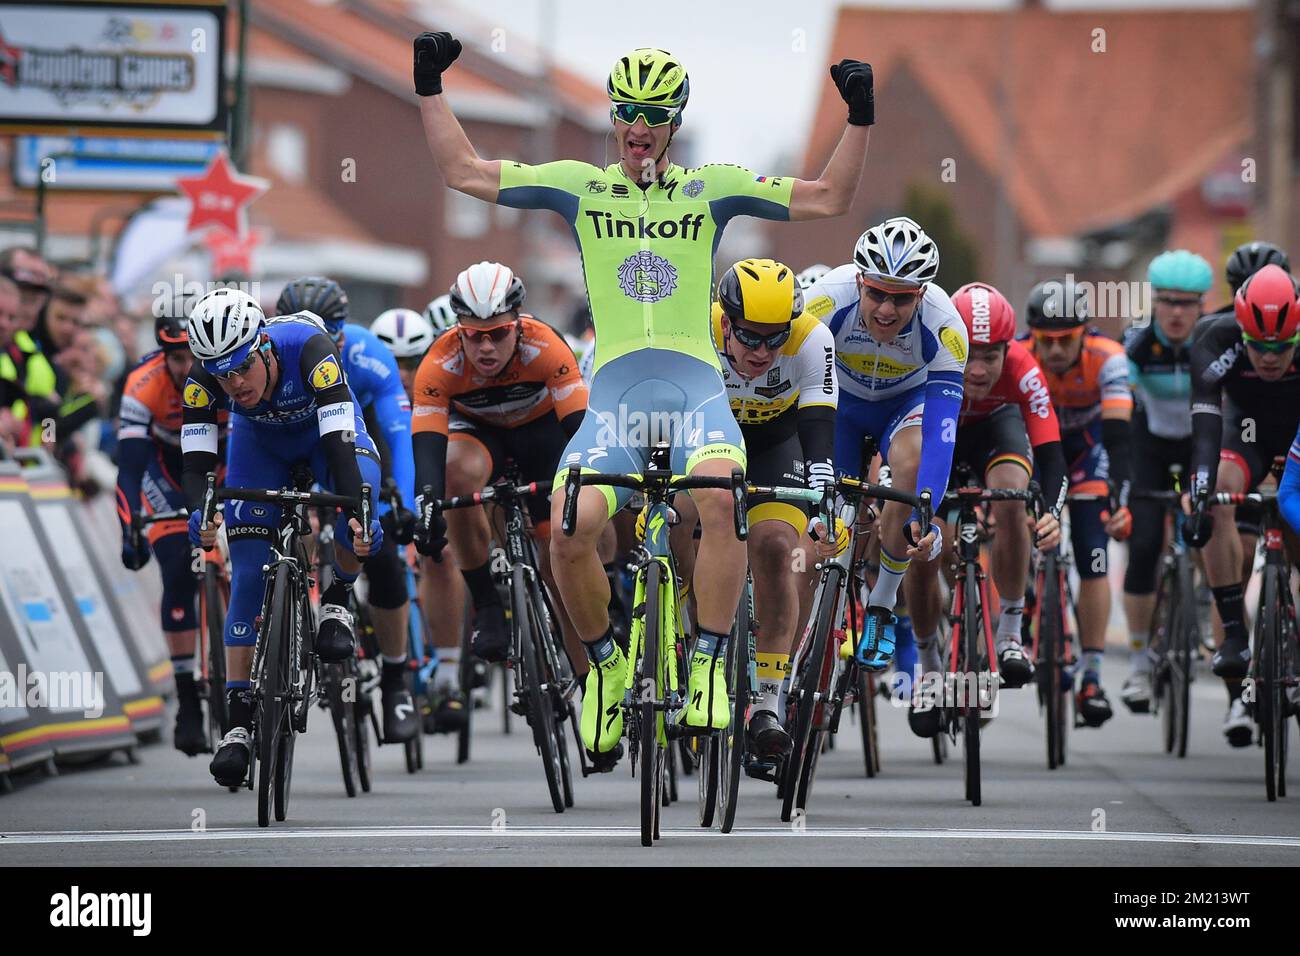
[(900, 353), (282, 380), (373, 376)]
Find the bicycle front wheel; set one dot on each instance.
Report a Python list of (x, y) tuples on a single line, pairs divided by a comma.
[(541, 714), (215, 596), (341, 715), (968, 665), (650, 684), (867, 722), (274, 702), (804, 692), (1186, 638), (1268, 684), (731, 742), (1050, 641)]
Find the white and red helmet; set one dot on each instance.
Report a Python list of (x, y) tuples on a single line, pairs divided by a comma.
[(989, 317), (486, 289)]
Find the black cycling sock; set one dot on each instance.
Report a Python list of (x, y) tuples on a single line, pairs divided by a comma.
[(1234, 689), (337, 593), (393, 676), (1230, 600), (239, 706), (602, 647), (482, 588), (185, 689)]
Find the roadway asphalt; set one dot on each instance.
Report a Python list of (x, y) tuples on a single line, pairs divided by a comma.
[(1207, 809)]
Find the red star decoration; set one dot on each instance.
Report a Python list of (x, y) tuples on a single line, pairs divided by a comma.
[(220, 196), (9, 56), (231, 253)]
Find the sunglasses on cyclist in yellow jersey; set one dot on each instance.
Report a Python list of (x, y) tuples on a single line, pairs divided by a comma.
[(653, 115)]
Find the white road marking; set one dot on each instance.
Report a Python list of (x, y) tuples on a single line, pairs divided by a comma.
[(29, 838)]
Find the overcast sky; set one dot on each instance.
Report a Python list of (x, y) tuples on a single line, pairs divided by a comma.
[(727, 47)]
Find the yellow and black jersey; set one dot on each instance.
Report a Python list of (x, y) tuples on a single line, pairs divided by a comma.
[(803, 375)]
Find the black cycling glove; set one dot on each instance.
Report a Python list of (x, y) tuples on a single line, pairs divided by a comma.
[(434, 52)]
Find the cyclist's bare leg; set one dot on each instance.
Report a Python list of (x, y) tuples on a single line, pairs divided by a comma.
[(1094, 612), (180, 643), (682, 540), (239, 662), (576, 565), (468, 470), (442, 600), (577, 654), (720, 566), (391, 624), (1011, 546), (773, 545)]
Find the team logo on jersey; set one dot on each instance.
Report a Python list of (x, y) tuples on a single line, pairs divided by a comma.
[(819, 306), (693, 188), (647, 277), (196, 396), (618, 190), (326, 373), (596, 186), (952, 341), (774, 376)]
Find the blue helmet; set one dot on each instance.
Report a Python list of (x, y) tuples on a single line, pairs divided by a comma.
[(1181, 270)]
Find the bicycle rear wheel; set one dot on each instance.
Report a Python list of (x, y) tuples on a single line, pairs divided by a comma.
[(867, 722), (341, 714), (541, 714), (467, 689), (804, 690), (647, 691), (273, 701)]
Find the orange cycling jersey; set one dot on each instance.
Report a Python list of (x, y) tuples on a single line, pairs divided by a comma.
[(1097, 381), (542, 376)]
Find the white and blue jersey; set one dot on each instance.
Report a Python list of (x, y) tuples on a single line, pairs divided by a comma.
[(915, 378), (372, 375)]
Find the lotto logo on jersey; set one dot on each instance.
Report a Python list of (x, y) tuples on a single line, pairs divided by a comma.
[(326, 373), (196, 396), (1040, 400), (952, 340)]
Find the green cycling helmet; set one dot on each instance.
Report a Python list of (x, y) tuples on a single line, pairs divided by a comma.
[(649, 76), (1181, 270)]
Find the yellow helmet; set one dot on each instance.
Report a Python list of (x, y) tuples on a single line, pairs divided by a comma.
[(762, 291), (649, 76)]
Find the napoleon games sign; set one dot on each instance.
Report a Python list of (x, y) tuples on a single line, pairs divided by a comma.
[(127, 66)]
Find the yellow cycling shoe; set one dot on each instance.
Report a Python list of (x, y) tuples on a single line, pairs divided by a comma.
[(602, 703), (706, 693)]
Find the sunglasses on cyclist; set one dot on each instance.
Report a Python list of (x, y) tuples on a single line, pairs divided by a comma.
[(496, 333), (879, 295), (753, 340), (1057, 338), (653, 115), (1174, 302), (240, 370), (1272, 348)]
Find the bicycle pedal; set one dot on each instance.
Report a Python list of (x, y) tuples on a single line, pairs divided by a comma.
[(761, 770)]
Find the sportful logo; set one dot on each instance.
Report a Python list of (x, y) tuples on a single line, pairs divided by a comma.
[(1040, 400), (607, 227)]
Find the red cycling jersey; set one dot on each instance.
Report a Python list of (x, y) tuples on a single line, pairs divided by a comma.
[(1021, 383)]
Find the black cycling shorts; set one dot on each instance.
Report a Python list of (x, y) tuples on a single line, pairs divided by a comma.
[(534, 447)]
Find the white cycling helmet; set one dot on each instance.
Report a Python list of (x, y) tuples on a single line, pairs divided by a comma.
[(897, 251), (486, 289), (811, 275), (223, 326), (406, 332), (439, 314)]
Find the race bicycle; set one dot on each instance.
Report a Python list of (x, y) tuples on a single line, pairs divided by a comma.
[(283, 656), (653, 696), (544, 684)]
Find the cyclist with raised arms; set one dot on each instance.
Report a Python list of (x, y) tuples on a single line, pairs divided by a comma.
[(779, 367), (1245, 410), (1159, 372), (282, 380), (372, 374), (647, 229), (148, 479), (1006, 429), (900, 349), (504, 386), (1087, 376)]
